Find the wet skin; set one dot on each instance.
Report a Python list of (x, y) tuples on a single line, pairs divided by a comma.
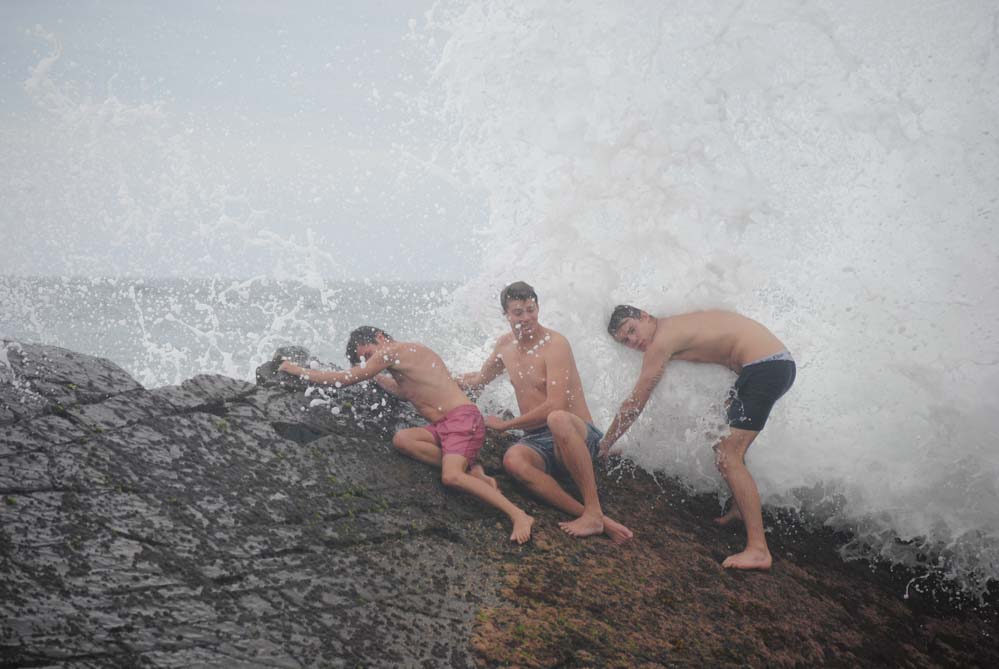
[(546, 382), (415, 373), (717, 337)]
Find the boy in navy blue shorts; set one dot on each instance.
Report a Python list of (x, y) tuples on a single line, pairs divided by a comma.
[(766, 371)]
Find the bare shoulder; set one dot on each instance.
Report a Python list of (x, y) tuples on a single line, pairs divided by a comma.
[(710, 316), (503, 343), (671, 333), (504, 339), (392, 349), (400, 346), (556, 341), (407, 349)]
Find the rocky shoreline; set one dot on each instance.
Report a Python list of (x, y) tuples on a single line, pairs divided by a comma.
[(225, 523)]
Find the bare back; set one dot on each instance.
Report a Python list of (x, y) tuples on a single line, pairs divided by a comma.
[(720, 337), (535, 376), (423, 379)]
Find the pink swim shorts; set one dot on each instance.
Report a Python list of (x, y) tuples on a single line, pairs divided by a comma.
[(460, 432)]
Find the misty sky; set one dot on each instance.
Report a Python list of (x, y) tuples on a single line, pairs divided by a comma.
[(233, 138)]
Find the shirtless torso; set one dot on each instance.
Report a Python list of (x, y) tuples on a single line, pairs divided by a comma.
[(422, 378), (544, 376), (719, 337)]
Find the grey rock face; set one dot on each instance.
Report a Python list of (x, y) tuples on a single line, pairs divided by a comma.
[(38, 379), (220, 523)]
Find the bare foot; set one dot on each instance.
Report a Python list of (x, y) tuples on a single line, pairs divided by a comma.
[(478, 472), (617, 532), (729, 518), (751, 558), (522, 528), (584, 526)]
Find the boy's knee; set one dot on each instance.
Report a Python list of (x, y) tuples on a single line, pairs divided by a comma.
[(727, 454), (450, 478), (560, 422), (514, 463), (399, 441), (721, 462)]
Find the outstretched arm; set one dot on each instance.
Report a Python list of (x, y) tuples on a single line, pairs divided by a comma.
[(653, 370), (356, 374), (476, 381)]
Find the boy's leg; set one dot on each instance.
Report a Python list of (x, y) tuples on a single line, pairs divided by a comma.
[(453, 475), (419, 444), (729, 516), (569, 432), (479, 472), (527, 466), (524, 464), (730, 460)]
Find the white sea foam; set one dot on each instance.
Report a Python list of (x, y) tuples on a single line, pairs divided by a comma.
[(830, 169)]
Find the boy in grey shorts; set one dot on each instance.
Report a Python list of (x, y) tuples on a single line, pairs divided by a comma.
[(542, 442), (539, 363)]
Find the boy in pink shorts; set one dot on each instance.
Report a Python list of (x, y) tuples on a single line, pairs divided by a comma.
[(461, 431), (456, 431)]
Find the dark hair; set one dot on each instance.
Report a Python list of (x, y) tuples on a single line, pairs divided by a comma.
[(622, 312), (518, 290), (366, 334)]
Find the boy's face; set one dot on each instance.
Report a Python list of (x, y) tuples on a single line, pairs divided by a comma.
[(635, 333), (522, 315)]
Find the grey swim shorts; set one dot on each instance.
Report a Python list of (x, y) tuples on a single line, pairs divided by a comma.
[(542, 442)]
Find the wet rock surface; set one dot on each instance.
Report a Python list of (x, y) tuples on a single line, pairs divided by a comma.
[(225, 523), (664, 600), (178, 527)]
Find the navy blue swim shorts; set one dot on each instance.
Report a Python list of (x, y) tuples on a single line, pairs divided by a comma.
[(757, 389)]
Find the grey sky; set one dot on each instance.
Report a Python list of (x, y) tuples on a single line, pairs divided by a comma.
[(191, 138)]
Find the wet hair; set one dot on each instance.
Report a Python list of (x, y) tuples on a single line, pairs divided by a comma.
[(518, 290), (621, 313), (366, 334)]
